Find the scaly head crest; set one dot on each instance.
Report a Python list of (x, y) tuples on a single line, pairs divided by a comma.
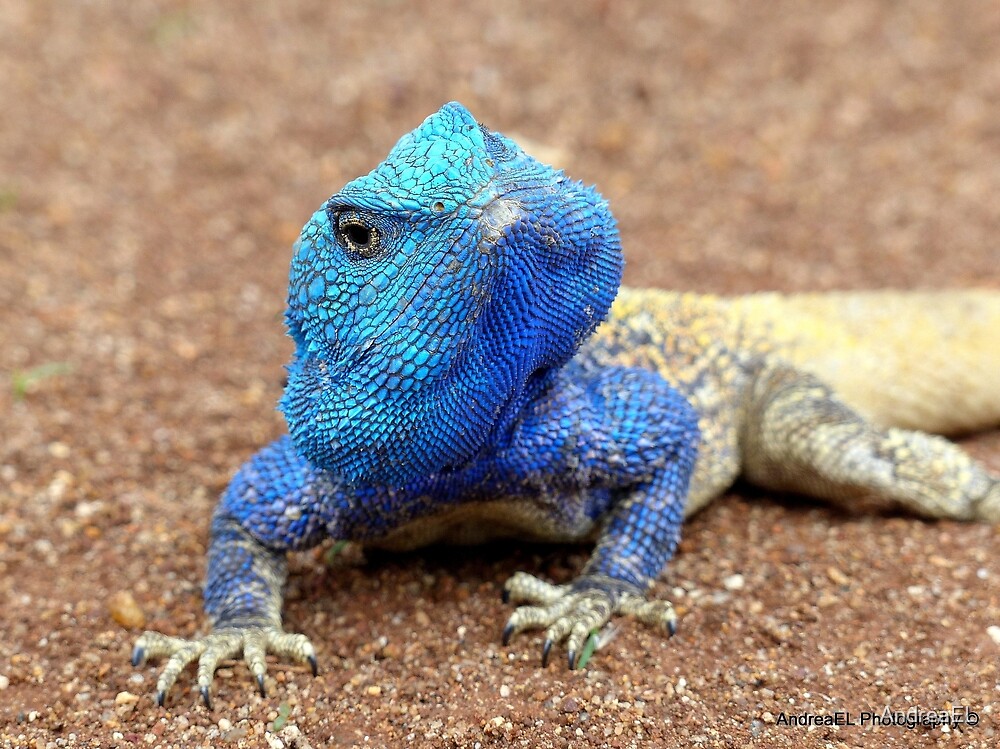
[(427, 295)]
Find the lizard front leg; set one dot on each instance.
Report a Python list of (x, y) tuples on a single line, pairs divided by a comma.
[(649, 443), (640, 538), (274, 504)]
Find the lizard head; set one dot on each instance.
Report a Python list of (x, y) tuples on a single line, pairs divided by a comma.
[(431, 297)]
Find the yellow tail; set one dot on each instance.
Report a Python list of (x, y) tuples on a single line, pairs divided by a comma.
[(917, 360)]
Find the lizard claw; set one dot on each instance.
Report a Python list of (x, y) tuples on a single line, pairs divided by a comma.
[(546, 649), (220, 644), (573, 612)]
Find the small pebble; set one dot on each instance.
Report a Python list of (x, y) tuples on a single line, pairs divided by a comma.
[(733, 582), (826, 600), (124, 610), (837, 576), (994, 632)]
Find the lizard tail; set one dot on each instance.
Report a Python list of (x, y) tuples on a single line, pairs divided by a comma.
[(916, 360)]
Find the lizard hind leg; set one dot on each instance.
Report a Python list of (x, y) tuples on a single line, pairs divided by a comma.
[(799, 436)]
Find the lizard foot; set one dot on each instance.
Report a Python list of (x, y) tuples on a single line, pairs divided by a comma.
[(221, 644), (572, 612)]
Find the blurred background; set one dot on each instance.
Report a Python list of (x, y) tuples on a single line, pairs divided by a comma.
[(157, 160)]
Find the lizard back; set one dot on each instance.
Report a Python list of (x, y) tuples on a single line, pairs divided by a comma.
[(927, 360), (916, 360)]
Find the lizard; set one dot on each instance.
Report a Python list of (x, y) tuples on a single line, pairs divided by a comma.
[(467, 366)]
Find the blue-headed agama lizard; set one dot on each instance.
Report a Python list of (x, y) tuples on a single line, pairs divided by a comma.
[(467, 367)]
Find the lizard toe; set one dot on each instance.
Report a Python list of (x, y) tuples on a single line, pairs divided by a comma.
[(535, 617), (525, 588), (657, 614)]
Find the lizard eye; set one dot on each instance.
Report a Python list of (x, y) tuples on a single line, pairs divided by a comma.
[(358, 237)]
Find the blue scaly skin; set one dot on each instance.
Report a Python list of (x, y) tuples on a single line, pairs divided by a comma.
[(435, 305), (450, 383)]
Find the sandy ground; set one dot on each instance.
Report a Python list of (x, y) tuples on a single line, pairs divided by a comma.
[(157, 160)]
